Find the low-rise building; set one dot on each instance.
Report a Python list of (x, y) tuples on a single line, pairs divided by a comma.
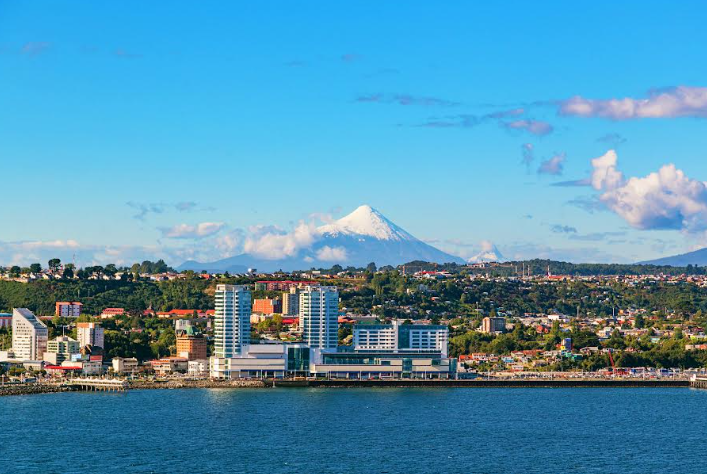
[(169, 365), (198, 368), (125, 365), (5, 320), (60, 349), (68, 309), (112, 312)]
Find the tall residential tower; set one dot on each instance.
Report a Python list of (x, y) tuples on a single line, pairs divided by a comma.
[(232, 321), (319, 316)]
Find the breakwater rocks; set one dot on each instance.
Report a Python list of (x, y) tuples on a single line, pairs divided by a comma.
[(484, 383), (36, 388), (175, 384), (31, 389)]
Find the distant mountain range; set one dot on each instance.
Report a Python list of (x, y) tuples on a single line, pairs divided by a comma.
[(361, 237), (698, 257)]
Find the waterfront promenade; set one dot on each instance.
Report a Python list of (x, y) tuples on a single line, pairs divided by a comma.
[(172, 384)]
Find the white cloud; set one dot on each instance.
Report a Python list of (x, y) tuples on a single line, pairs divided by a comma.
[(553, 166), (198, 231), (534, 127), (25, 252), (332, 254), (272, 243), (680, 101), (604, 172), (666, 199)]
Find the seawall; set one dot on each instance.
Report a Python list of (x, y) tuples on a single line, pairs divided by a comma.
[(483, 383)]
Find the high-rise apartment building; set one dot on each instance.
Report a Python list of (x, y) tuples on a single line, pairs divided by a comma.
[(319, 316), (232, 320), (29, 335), (90, 334)]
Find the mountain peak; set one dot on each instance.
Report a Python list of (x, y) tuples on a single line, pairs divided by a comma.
[(366, 221), (489, 253)]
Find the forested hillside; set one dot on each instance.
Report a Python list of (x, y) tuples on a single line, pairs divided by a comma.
[(40, 296)]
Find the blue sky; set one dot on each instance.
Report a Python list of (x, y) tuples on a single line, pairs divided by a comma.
[(144, 129)]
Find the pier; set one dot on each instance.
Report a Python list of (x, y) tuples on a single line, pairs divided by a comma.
[(698, 382), (97, 385)]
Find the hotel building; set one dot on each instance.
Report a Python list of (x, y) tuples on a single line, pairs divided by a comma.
[(401, 337)]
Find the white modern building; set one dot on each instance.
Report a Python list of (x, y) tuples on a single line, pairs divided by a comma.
[(90, 334), (29, 335), (319, 316), (232, 320), (125, 365), (401, 337), (198, 368)]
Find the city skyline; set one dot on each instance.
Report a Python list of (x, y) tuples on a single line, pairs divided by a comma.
[(200, 132)]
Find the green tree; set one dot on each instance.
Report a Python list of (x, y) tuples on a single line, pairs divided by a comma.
[(54, 264), (68, 272)]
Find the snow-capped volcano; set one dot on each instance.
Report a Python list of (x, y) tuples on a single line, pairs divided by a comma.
[(357, 239), (366, 221), (489, 253)]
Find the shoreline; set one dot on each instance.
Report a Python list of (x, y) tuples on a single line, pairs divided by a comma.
[(32, 389)]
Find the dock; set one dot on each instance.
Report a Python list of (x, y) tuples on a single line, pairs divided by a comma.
[(698, 382)]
